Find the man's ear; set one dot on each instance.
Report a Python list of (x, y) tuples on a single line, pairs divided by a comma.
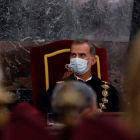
[(93, 60)]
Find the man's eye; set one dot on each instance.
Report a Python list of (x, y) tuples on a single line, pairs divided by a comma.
[(82, 55), (73, 55)]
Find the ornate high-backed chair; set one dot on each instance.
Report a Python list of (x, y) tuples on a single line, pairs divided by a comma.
[(48, 65)]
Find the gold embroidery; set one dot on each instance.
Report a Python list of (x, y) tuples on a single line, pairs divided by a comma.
[(99, 110), (105, 82), (60, 82), (105, 94), (105, 100), (102, 105), (105, 86)]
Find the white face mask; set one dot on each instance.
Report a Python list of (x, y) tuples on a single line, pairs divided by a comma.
[(79, 66)]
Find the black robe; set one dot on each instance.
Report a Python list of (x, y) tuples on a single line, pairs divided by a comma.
[(113, 98)]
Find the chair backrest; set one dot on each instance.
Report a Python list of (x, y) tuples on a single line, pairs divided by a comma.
[(48, 65)]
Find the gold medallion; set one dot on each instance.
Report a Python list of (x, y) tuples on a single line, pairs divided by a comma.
[(105, 93), (99, 110), (102, 106), (105, 86), (105, 100), (105, 82)]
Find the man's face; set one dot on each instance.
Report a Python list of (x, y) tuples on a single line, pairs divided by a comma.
[(82, 51)]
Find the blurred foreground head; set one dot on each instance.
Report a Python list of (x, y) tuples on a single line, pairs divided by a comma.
[(5, 99), (71, 100), (132, 83)]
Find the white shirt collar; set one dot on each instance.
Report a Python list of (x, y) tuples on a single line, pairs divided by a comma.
[(82, 79)]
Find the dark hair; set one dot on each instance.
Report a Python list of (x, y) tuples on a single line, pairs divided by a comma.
[(88, 42)]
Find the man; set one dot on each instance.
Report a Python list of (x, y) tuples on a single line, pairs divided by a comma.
[(82, 57), (71, 101)]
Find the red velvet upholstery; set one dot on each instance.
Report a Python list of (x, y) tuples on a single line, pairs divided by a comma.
[(56, 65), (103, 129)]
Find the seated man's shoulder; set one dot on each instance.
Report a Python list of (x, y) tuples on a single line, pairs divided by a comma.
[(107, 86), (71, 77), (104, 84), (99, 81)]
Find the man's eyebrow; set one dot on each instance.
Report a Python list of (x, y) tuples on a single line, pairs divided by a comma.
[(72, 53), (82, 53)]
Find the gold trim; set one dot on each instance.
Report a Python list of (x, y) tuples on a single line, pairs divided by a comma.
[(98, 66), (63, 51), (105, 94), (46, 64)]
